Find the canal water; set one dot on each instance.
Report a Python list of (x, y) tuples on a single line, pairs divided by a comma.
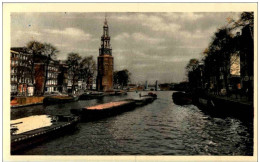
[(159, 128)]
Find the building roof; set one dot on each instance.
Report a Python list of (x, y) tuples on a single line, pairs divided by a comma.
[(19, 50)]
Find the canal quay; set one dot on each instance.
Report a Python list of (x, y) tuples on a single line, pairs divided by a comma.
[(159, 128)]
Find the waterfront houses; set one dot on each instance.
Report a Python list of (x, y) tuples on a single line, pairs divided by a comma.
[(63, 77), (247, 59), (53, 75), (228, 65), (47, 75), (52, 79), (20, 71)]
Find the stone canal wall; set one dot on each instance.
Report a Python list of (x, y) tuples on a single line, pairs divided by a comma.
[(225, 105)]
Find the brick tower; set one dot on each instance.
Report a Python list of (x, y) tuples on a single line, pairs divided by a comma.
[(105, 62)]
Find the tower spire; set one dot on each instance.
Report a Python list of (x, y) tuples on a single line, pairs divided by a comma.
[(105, 40), (105, 19)]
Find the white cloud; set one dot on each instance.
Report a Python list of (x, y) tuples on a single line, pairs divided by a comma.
[(71, 32), (138, 37), (28, 32), (154, 22), (122, 36), (157, 23), (187, 16), (145, 38), (192, 16), (177, 59), (191, 35), (120, 17)]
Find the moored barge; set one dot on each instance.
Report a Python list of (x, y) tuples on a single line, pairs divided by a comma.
[(91, 95), (104, 110), (110, 109), (59, 99), (182, 98), (58, 126)]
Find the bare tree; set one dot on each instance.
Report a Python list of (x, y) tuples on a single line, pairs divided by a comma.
[(87, 69), (73, 62), (36, 48), (50, 52)]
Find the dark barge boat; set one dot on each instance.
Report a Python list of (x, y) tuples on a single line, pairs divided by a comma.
[(182, 98), (91, 95), (104, 110), (59, 126), (110, 109), (59, 99)]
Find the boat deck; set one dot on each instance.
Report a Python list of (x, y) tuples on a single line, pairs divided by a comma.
[(108, 105), (39, 131)]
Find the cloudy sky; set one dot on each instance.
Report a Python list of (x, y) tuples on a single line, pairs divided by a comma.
[(152, 46)]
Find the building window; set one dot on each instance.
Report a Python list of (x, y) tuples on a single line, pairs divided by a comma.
[(13, 88)]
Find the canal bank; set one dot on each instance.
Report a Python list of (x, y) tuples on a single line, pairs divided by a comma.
[(17, 102), (229, 106)]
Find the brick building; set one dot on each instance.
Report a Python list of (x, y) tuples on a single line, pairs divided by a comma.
[(20, 71), (52, 79), (105, 62), (63, 77), (40, 69)]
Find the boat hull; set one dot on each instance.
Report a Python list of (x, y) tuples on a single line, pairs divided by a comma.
[(31, 138), (96, 114), (90, 96), (90, 115), (54, 100), (181, 98)]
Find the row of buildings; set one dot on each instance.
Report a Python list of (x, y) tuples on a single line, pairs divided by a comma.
[(27, 79), (234, 76)]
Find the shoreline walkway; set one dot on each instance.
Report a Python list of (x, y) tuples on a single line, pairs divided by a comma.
[(233, 98)]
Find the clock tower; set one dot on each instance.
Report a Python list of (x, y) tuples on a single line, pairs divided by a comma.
[(105, 62)]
